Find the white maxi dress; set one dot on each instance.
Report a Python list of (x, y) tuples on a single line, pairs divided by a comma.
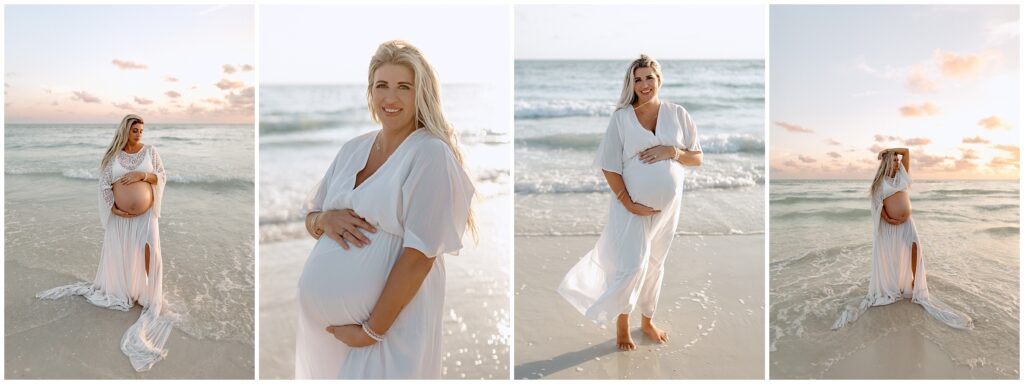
[(419, 198), (121, 279), (625, 268), (891, 278)]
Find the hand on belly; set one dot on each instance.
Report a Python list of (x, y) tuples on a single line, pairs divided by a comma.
[(654, 185), (897, 206), (135, 198)]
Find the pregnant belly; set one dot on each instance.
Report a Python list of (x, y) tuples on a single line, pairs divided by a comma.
[(135, 198), (897, 206), (654, 185), (340, 286)]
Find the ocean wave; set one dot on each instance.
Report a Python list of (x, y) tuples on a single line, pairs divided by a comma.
[(562, 108), (730, 232), (1002, 231), (85, 174), (547, 186), (828, 213), (997, 207), (716, 143), (789, 200)]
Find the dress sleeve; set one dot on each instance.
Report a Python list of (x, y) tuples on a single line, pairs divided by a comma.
[(317, 195), (609, 153), (436, 197), (161, 181), (690, 141), (106, 196)]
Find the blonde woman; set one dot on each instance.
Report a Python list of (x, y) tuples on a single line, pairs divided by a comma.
[(647, 143), (897, 262), (131, 190), (392, 203)]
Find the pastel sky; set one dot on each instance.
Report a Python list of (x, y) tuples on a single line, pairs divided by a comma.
[(848, 81), (662, 31), (332, 44), (94, 64)]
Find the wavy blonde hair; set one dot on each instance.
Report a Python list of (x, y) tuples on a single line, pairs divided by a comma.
[(120, 138), (427, 88), (884, 169), (628, 96)]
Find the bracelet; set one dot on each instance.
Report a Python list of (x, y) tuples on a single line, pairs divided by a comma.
[(373, 335), (311, 225)]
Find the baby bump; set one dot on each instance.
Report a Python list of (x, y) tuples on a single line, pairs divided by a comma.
[(655, 185), (340, 286), (897, 206), (134, 198)]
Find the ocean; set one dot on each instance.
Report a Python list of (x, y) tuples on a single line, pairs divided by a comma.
[(820, 256), (302, 127), (52, 223), (562, 110)]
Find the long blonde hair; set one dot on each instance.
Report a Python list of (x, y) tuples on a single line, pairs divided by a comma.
[(120, 138), (628, 96), (885, 168), (429, 114)]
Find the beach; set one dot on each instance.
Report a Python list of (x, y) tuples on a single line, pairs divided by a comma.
[(302, 128), (53, 238), (820, 256)]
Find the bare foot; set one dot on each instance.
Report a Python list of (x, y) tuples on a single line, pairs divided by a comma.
[(622, 337), (655, 333)]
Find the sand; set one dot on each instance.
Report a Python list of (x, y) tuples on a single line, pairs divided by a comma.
[(711, 304), (477, 316)]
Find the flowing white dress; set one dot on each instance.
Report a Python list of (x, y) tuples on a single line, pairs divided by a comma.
[(891, 277), (121, 279), (625, 269), (419, 198)]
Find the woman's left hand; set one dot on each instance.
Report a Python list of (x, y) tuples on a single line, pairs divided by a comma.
[(657, 153), (131, 177), (352, 335)]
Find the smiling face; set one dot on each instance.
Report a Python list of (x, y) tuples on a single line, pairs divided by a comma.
[(135, 133), (645, 84), (394, 96)]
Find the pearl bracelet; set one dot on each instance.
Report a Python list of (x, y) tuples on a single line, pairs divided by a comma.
[(373, 335)]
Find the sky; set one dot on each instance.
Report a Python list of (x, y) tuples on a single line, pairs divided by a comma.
[(666, 32), (332, 44), (94, 64), (848, 81)]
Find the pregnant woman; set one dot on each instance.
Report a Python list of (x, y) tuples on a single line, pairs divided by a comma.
[(392, 203), (897, 259), (642, 156), (131, 189)]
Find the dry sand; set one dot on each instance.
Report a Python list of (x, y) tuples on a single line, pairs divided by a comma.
[(711, 304)]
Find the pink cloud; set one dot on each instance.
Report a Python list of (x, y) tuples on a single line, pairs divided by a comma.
[(917, 141), (127, 106), (957, 66), (128, 64), (975, 140), (143, 100), (229, 69), (793, 127), (247, 68), (919, 82), (807, 159), (245, 99), (884, 138), (832, 142), (228, 84), (1013, 161), (170, 79), (84, 96), (876, 148), (968, 154), (834, 155), (992, 123), (214, 101), (924, 109), (172, 94)]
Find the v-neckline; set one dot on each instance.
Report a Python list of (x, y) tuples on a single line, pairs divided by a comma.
[(657, 121), (366, 160)]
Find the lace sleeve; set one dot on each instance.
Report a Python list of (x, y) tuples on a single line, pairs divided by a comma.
[(161, 181), (106, 195)]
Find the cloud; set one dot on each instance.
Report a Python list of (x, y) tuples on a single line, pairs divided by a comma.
[(993, 122), (924, 109), (959, 66), (919, 82), (86, 97), (215, 101), (229, 69), (247, 68), (1013, 161), (832, 142), (834, 155), (170, 79), (929, 161), (807, 159), (128, 64), (876, 148), (884, 138), (917, 141), (244, 99), (143, 100), (172, 94), (975, 140), (228, 84), (793, 127), (127, 106), (791, 164)]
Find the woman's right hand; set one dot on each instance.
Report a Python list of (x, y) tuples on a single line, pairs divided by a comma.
[(118, 212), (640, 209), (343, 227), (887, 219)]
